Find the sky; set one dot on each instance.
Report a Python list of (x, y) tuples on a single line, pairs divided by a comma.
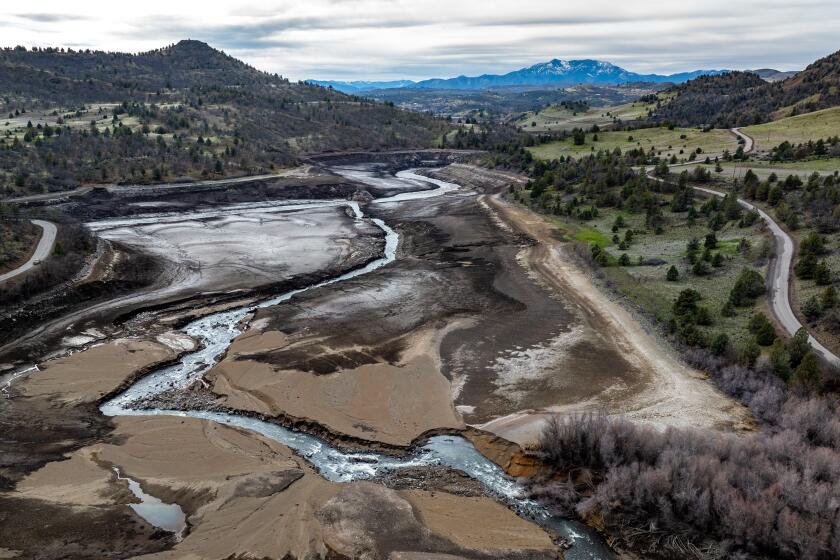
[(417, 39)]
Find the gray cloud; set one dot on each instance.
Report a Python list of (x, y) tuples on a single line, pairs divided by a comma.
[(50, 18), (388, 39), (265, 33)]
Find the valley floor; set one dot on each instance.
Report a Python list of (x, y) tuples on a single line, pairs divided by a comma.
[(482, 319)]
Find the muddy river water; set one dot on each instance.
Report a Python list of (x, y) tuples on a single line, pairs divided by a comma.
[(215, 333)]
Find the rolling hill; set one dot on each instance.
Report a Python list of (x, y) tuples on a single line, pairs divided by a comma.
[(772, 75), (742, 99), (360, 86)]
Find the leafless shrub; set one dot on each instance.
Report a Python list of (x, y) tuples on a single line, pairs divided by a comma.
[(686, 493)]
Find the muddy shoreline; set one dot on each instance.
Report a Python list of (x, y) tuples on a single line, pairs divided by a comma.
[(140, 538), (449, 315)]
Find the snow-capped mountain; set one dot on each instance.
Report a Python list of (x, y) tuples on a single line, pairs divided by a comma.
[(552, 73), (561, 73)]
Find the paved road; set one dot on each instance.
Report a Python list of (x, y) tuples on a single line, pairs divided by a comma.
[(42, 251), (139, 188), (779, 278)]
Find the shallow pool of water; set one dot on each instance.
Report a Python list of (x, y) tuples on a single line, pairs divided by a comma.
[(169, 517)]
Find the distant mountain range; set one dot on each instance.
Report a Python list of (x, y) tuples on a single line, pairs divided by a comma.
[(361, 85), (553, 73)]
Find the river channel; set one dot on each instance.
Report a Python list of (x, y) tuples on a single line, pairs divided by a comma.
[(216, 332)]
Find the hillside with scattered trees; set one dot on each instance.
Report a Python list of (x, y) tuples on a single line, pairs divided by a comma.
[(74, 118), (742, 98)]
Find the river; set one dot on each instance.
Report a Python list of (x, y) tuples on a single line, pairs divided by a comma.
[(217, 331)]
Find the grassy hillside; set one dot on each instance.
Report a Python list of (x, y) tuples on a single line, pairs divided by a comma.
[(186, 110), (562, 117), (647, 286), (680, 142), (697, 266), (796, 130), (764, 169), (17, 238), (634, 230), (49, 76), (710, 100)]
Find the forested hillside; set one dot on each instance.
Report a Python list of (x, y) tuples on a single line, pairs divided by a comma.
[(65, 76), (741, 99), (84, 117)]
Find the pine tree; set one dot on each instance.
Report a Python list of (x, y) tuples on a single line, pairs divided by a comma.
[(720, 344), (808, 373), (798, 347), (829, 298), (780, 359)]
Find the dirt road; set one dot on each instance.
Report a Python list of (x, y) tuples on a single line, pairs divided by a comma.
[(748, 141), (42, 251), (56, 196)]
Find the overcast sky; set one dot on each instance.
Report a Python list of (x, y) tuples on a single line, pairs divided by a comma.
[(391, 39)]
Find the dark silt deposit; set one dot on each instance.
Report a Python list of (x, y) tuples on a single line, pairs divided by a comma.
[(444, 263)]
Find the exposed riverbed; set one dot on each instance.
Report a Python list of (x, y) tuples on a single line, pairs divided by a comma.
[(216, 332)]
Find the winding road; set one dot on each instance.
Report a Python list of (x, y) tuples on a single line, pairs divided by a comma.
[(748, 141), (42, 251), (778, 281)]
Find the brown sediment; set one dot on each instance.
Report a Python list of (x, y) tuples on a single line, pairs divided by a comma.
[(247, 495), (534, 337), (510, 456), (454, 518), (236, 485), (392, 403), (44, 530), (54, 411), (364, 520), (90, 375)]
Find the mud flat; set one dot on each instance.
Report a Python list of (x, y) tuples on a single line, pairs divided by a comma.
[(366, 396), (242, 247), (612, 364), (46, 417), (246, 494), (234, 484), (221, 253), (470, 316)]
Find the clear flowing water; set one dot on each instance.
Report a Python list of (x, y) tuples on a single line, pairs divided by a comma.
[(217, 331)]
